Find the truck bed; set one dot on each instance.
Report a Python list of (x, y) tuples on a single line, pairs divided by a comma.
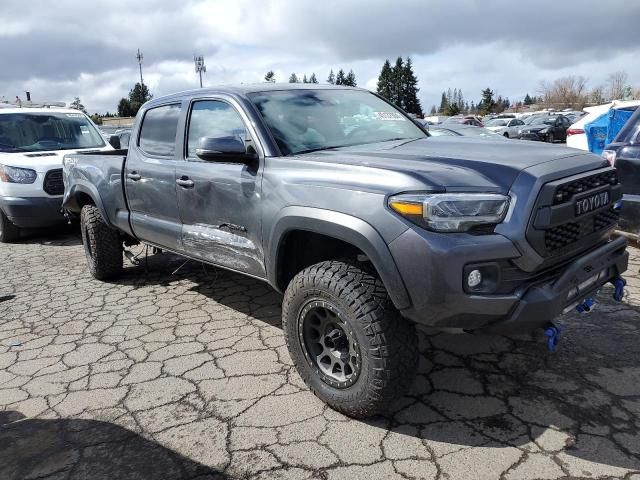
[(100, 175)]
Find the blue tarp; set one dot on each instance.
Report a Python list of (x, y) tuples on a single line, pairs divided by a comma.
[(604, 129)]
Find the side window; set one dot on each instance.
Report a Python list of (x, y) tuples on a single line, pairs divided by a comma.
[(158, 132), (213, 118)]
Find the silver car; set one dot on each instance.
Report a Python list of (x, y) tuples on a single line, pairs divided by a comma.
[(507, 127)]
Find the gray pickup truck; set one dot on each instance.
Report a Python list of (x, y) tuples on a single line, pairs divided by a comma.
[(366, 223)]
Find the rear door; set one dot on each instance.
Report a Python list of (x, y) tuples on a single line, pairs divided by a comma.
[(219, 200), (150, 177)]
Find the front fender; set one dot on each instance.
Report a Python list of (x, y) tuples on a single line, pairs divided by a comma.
[(342, 227), (71, 202)]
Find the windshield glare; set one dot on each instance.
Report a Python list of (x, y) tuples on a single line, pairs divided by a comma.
[(308, 120), (34, 131)]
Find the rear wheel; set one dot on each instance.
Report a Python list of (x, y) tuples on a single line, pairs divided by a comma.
[(347, 340), (102, 244), (506, 134), (8, 231)]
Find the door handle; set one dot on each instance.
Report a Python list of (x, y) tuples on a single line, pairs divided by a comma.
[(185, 182), (134, 176)]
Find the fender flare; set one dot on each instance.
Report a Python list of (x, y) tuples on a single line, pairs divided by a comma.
[(342, 227), (70, 199)]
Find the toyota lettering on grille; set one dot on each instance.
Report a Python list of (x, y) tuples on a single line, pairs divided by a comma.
[(591, 203)]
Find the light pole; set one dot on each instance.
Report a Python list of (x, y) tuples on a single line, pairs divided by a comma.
[(140, 57), (200, 66)]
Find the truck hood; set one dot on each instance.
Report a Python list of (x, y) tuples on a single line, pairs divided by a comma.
[(41, 161), (455, 163)]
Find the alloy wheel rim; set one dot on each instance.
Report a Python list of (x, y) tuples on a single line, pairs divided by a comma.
[(329, 344)]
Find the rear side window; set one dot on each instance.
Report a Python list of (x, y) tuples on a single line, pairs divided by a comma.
[(158, 132)]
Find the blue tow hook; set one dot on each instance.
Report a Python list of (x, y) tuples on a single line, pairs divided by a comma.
[(618, 284), (552, 333), (586, 306)]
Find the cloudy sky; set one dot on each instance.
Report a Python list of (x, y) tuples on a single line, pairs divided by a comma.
[(62, 49)]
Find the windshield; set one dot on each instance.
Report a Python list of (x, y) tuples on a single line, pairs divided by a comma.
[(34, 131), (542, 121), (308, 120), (496, 123)]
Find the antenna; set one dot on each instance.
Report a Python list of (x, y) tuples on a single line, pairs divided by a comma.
[(200, 66), (140, 57)]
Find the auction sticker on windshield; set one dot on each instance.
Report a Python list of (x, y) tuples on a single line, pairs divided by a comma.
[(393, 116)]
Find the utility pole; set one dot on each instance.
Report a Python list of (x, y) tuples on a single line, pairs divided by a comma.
[(200, 66), (140, 57)]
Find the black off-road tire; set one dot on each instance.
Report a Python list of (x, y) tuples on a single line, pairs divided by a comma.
[(102, 244), (8, 231), (387, 342)]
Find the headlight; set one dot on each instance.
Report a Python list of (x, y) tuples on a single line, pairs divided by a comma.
[(17, 175), (544, 130), (451, 212)]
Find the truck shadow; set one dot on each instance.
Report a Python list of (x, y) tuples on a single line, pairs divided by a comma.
[(58, 236), (86, 449), (581, 401)]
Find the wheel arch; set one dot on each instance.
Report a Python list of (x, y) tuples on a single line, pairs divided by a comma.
[(81, 194), (353, 233)]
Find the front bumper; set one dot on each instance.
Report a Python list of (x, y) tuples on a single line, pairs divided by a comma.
[(541, 137), (33, 212), (432, 266), (630, 214)]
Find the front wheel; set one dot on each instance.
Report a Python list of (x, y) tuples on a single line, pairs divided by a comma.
[(102, 244), (347, 340), (551, 138), (8, 231)]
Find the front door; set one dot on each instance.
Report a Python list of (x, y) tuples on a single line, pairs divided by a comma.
[(219, 201), (150, 178)]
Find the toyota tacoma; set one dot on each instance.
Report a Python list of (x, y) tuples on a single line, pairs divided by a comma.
[(365, 223)]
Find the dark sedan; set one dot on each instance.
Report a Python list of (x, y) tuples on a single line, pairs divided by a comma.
[(546, 128), (624, 154)]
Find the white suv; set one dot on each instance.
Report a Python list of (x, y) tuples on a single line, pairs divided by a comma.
[(33, 142)]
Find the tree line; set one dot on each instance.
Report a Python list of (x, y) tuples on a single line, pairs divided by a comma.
[(342, 78)]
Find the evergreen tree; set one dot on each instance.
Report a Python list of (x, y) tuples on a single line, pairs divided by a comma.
[(528, 100), (385, 81), (304, 78), (293, 78), (313, 79), (397, 92), (433, 110), (351, 79), (331, 79), (487, 105), (410, 100), (138, 95), (77, 104), (443, 103), (270, 77), (341, 78)]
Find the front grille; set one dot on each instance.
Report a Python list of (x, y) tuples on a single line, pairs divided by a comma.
[(555, 231), (53, 183), (565, 192), (563, 235)]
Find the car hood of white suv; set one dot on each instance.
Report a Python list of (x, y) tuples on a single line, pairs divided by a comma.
[(42, 161)]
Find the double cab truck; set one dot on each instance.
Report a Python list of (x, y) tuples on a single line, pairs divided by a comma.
[(365, 223), (33, 141)]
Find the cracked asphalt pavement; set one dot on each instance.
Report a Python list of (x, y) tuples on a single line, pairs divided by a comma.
[(169, 374)]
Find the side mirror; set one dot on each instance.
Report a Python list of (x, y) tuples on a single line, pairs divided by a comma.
[(114, 141), (223, 149)]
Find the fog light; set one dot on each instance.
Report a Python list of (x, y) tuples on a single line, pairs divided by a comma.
[(474, 279)]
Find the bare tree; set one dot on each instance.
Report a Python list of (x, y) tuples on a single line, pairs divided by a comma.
[(616, 82), (565, 92), (597, 96)]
